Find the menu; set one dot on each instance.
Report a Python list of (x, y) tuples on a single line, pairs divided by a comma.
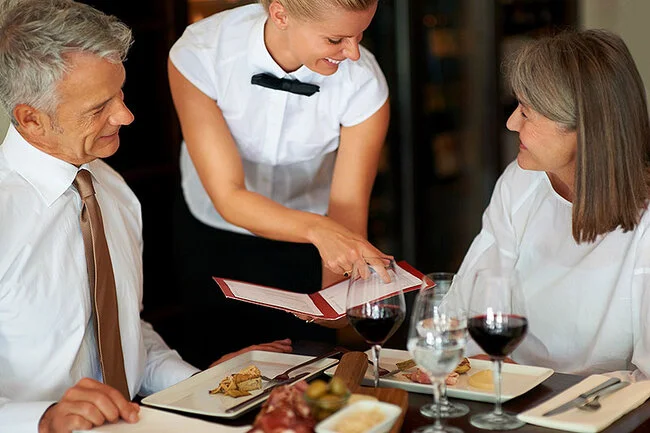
[(326, 304)]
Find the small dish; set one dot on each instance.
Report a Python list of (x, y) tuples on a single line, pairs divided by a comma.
[(351, 416)]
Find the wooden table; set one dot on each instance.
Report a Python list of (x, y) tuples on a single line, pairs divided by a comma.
[(636, 421)]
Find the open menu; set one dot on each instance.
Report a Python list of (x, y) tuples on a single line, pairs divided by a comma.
[(326, 304)]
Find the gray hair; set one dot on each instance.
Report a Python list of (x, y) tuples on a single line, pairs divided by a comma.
[(36, 36), (587, 82), (314, 10)]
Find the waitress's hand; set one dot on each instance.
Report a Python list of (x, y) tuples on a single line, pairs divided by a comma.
[(341, 248)]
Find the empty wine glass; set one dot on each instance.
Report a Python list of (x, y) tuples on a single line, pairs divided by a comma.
[(436, 341), (440, 283), (497, 323), (375, 303)]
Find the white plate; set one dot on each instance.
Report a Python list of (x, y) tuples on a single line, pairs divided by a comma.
[(516, 379), (192, 395)]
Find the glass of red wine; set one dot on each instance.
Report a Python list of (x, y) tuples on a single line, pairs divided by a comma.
[(375, 304), (497, 323)]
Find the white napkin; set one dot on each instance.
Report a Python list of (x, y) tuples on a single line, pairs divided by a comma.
[(159, 421), (614, 406)]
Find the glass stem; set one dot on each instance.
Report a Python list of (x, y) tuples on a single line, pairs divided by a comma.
[(497, 385), (444, 403), (437, 425), (375, 354)]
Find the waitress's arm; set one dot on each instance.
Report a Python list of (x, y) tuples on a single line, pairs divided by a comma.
[(218, 163), (354, 175)]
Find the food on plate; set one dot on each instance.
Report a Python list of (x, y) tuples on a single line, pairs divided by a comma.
[(326, 398), (240, 383), (360, 421), (285, 411), (419, 376), (360, 397), (482, 380), (405, 365)]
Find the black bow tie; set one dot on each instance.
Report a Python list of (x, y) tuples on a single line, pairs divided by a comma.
[(285, 84)]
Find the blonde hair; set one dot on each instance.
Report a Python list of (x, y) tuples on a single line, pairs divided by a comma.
[(587, 82), (313, 10)]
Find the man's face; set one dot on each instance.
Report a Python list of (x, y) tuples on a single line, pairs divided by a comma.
[(91, 111)]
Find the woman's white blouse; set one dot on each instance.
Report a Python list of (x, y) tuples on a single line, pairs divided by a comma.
[(588, 304), (287, 142)]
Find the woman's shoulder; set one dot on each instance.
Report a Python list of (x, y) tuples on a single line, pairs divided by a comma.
[(362, 70)]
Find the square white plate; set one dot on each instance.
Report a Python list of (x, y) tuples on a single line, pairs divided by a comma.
[(516, 379), (192, 395)]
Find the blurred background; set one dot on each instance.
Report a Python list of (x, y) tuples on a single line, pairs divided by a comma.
[(447, 141)]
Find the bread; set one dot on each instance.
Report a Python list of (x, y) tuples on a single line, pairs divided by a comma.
[(240, 383), (250, 384)]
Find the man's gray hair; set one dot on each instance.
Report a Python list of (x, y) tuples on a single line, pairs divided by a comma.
[(36, 36)]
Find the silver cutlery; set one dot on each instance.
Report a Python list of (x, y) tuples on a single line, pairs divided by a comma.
[(583, 398), (593, 403), (285, 374), (265, 392)]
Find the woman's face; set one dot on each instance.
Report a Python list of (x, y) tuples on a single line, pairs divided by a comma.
[(322, 45), (543, 144)]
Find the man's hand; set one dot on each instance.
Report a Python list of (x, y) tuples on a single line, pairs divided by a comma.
[(86, 405), (282, 346), (339, 323)]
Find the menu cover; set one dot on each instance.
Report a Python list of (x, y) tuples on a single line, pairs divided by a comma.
[(326, 304)]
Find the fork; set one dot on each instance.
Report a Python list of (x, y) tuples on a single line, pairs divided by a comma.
[(285, 374)]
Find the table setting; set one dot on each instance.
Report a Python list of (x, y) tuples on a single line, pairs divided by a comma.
[(337, 388)]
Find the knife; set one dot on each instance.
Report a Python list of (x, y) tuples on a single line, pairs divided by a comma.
[(582, 398), (266, 392)]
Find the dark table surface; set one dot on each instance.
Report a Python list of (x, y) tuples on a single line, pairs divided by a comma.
[(636, 421)]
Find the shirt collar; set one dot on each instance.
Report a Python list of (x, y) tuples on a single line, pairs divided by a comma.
[(260, 59), (50, 176)]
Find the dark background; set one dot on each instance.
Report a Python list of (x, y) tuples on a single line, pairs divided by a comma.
[(445, 147)]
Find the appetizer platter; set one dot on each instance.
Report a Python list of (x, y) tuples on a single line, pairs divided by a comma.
[(474, 383), (215, 391)]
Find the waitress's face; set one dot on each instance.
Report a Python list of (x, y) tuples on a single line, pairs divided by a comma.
[(322, 45), (543, 144)]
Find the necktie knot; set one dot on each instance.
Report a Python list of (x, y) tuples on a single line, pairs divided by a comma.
[(84, 184)]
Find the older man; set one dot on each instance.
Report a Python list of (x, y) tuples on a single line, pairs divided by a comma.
[(73, 350)]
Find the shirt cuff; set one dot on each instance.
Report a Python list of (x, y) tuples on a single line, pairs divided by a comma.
[(22, 417)]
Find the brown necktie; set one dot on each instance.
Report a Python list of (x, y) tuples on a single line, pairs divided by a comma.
[(102, 286)]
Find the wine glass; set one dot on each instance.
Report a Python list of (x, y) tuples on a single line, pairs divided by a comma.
[(436, 341), (375, 303), (440, 283), (497, 323)]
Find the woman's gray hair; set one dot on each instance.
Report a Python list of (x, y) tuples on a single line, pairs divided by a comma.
[(587, 82), (36, 36)]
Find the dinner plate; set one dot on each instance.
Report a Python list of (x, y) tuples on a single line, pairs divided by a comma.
[(192, 395), (517, 378)]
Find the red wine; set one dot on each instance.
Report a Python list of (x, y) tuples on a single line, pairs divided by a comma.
[(498, 339), (375, 324)]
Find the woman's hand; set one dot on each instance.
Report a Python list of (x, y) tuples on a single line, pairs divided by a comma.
[(485, 357), (280, 346), (341, 248)]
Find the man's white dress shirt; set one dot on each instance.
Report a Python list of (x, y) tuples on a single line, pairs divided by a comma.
[(588, 305), (287, 142), (46, 333)]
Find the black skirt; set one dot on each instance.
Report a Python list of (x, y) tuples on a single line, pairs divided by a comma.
[(213, 324)]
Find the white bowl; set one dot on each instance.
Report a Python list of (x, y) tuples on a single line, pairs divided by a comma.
[(390, 411)]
